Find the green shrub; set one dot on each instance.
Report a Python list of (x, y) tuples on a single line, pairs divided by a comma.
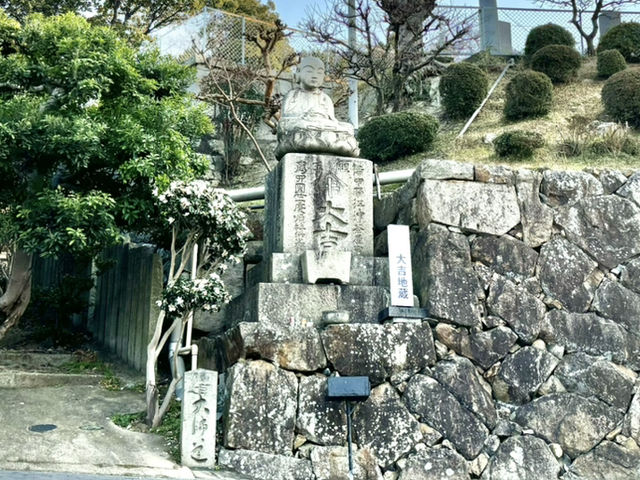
[(528, 94), (549, 34), (487, 62), (621, 97), (396, 134), (463, 86), (519, 144), (625, 38), (610, 62), (558, 62)]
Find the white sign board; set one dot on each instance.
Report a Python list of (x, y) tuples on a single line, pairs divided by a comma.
[(400, 278)]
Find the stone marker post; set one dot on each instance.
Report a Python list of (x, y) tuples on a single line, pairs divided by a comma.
[(199, 418), (400, 275), (400, 279)]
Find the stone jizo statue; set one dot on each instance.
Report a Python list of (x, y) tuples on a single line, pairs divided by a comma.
[(307, 120)]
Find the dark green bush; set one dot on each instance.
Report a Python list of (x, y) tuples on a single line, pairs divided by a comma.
[(621, 97), (558, 62), (519, 144), (610, 62), (463, 86), (549, 34), (396, 134), (625, 38), (528, 94)]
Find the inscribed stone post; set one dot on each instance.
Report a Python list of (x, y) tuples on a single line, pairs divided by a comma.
[(319, 202), (199, 418)]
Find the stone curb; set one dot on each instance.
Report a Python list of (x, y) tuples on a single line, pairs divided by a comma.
[(17, 379)]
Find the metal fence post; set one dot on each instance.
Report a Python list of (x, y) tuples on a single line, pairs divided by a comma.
[(244, 31)]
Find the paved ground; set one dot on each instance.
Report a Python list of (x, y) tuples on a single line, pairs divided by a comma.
[(67, 428), (4, 475)]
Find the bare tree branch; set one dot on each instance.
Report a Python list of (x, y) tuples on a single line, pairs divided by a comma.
[(392, 43), (595, 8)]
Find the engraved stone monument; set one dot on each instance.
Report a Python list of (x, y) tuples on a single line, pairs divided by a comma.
[(319, 204), (199, 418), (307, 119)]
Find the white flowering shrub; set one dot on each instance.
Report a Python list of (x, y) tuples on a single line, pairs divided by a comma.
[(188, 294), (200, 214)]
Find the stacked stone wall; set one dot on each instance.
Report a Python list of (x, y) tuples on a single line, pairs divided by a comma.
[(527, 367)]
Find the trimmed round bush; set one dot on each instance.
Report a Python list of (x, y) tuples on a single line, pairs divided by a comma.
[(621, 97), (463, 86), (625, 38), (549, 34), (558, 62), (528, 94), (519, 144), (397, 134), (610, 62)]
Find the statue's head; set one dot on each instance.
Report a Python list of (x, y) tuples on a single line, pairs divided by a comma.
[(310, 73)]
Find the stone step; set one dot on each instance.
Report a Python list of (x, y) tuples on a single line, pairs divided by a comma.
[(25, 369), (24, 360), (22, 379)]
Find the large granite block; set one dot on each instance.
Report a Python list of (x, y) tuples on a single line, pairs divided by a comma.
[(261, 408), (302, 305), (319, 202)]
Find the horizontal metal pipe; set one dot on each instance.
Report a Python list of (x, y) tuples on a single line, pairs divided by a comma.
[(257, 193)]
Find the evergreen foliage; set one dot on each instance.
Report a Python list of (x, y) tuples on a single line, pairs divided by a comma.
[(528, 94), (549, 34), (518, 144), (558, 62), (625, 38), (463, 86), (621, 97), (610, 62), (393, 135), (88, 127)]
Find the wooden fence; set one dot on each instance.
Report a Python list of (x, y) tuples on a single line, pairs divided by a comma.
[(122, 311)]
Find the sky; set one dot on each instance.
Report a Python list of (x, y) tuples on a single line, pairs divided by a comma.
[(292, 12)]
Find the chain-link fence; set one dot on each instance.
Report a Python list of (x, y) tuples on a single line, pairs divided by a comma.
[(520, 21), (231, 36)]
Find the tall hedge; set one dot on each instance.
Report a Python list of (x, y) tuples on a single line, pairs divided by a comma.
[(463, 86), (549, 34)]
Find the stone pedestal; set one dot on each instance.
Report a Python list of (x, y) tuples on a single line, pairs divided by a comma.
[(330, 266), (199, 418), (319, 202), (301, 305)]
